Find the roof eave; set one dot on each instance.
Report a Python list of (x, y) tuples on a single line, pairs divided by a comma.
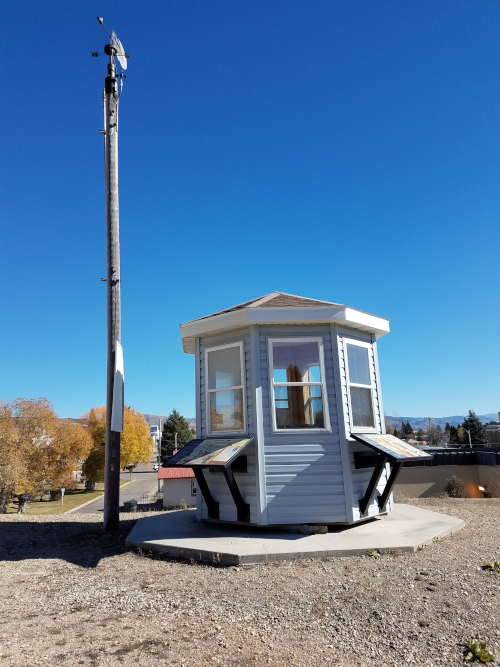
[(349, 317)]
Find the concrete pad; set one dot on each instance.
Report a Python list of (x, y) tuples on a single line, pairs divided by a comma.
[(179, 534)]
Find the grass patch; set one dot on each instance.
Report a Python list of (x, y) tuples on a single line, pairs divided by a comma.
[(72, 499), (477, 650), (493, 565)]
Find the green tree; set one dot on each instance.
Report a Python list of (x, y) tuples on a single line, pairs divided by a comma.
[(406, 430), (477, 430), (175, 423), (420, 435), (453, 436), (396, 433)]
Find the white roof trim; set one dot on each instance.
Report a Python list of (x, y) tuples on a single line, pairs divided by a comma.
[(237, 319), (264, 299)]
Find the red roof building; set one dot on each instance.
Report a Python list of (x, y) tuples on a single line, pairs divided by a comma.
[(175, 473)]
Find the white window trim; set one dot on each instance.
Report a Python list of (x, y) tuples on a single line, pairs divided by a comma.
[(241, 386), (194, 488), (272, 384), (371, 386)]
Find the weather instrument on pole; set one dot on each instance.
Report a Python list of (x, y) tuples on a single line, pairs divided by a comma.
[(114, 48), (115, 375)]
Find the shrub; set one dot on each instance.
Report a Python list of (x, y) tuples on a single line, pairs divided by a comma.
[(455, 488), (477, 650), (493, 565)]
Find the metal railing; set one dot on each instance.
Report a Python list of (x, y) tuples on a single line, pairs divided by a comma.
[(458, 457), (149, 498)]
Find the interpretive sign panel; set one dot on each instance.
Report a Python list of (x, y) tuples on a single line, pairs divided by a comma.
[(210, 452), (394, 448)]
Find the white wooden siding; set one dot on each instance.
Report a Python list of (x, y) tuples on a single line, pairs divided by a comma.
[(178, 491), (361, 477), (216, 481), (303, 471), (213, 341), (364, 338)]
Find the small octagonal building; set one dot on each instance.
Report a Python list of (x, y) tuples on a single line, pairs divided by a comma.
[(290, 387)]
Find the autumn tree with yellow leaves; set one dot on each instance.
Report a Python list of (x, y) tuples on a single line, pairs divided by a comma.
[(38, 451), (136, 443)]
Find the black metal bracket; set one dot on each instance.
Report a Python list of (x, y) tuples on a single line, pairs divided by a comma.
[(382, 500), (242, 507), (364, 503), (239, 465), (366, 459), (212, 505)]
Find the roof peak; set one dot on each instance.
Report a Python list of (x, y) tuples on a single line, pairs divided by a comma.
[(273, 300)]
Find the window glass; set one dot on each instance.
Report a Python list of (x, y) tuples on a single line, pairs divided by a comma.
[(226, 410), (362, 407), (297, 403), (299, 407), (359, 367), (296, 362), (224, 368)]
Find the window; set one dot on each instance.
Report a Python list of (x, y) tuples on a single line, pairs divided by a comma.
[(193, 488), (225, 382), (360, 385), (297, 378)]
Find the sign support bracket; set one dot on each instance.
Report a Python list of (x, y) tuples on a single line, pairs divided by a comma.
[(212, 505)]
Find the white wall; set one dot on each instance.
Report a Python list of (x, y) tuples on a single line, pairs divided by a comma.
[(177, 491)]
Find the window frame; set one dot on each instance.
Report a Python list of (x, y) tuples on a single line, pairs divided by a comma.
[(242, 386), (322, 384), (349, 384), (193, 488)]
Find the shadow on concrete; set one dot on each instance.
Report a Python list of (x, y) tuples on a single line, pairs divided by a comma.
[(79, 542)]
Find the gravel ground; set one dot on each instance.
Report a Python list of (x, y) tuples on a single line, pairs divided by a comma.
[(69, 595)]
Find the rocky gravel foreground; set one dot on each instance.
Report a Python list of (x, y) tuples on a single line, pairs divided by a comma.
[(69, 595)]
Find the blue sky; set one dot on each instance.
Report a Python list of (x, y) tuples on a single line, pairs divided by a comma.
[(340, 150)]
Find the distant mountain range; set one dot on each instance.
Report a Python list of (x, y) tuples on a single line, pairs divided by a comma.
[(416, 422), (423, 422)]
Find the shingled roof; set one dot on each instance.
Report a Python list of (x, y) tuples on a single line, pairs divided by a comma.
[(274, 300), (280, 308)]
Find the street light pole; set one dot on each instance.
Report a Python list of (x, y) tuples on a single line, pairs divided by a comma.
[(468, 432), (158, 452)]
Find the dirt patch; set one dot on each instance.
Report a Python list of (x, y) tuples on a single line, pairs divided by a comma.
[(70, 595)]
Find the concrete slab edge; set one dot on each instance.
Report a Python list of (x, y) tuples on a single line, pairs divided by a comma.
[(450, 530), (226, 558)]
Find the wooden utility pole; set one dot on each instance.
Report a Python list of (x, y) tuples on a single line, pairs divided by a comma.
[(112, 450)]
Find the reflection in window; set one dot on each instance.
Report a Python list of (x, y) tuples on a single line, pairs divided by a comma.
[(297, 385), (225, 389), (360, 386)]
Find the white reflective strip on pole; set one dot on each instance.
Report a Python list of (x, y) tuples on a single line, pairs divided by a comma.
[(118, 390)]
